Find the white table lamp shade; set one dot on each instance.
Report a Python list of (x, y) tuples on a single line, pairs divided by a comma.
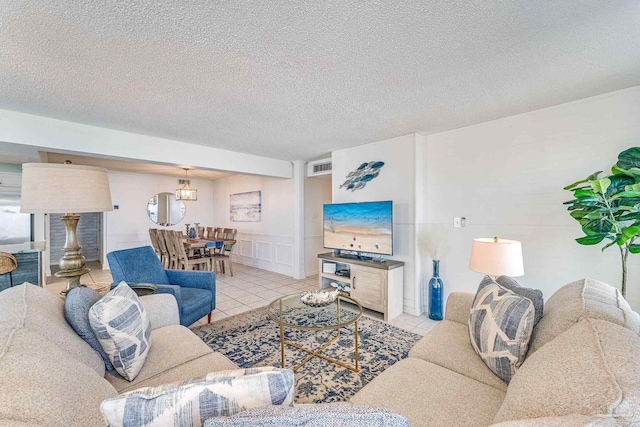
[(497, 257), (64, 188)]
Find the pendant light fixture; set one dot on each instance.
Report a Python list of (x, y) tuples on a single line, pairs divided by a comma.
[(186, 193)]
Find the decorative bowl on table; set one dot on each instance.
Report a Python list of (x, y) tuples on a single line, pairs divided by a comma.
[(319, 298)]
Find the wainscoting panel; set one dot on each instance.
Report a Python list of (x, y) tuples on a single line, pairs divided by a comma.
[(263, 251), (246, 248), (266, 251), (284, 254)]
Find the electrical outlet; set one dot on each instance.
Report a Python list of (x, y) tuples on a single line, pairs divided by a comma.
[(459, 222)]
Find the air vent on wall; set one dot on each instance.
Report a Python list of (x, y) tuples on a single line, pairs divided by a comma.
[(319, 167)]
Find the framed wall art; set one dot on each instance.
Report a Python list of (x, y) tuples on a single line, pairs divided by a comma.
[(245, 207)]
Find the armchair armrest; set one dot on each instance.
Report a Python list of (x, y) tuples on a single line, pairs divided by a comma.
[(162, 310), (193, 279), (459, 306), (170, 289)]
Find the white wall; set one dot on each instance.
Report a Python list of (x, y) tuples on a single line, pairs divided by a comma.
[(396, 182), (267, 244), (317, 192), (63, 136), (506, 177), (128, 226)]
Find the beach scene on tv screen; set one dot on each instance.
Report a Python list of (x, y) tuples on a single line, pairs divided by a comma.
[(362, 227)]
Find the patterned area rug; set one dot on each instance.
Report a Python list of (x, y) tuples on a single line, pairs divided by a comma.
[(251, 339)]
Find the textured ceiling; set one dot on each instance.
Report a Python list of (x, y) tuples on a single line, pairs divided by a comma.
[(294, 80)]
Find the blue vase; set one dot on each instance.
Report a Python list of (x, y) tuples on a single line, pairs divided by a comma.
[(192, 233), (435, 293)]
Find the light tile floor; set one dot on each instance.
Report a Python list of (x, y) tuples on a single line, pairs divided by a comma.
[(252, 288)]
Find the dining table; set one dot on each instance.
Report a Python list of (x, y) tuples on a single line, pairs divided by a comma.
[(193, 245)]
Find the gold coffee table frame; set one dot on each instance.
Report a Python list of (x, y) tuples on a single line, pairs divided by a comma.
[(275, 312)]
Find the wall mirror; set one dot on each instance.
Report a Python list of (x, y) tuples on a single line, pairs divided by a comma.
[(165, 210)]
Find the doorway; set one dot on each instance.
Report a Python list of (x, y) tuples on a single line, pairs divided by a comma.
[(89, 234)]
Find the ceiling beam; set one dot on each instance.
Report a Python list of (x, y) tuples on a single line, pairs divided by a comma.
[(63, 136)]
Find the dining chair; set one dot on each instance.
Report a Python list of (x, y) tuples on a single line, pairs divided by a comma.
[(218, 234), (209, 234), (184, 262), (229, 234), (153, 236), (222, 258), (166, 247), (222, 261)]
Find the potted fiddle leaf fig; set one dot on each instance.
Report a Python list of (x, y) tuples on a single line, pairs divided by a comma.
[(608, 208)]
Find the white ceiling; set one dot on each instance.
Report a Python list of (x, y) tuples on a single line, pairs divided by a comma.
[(295, 80)]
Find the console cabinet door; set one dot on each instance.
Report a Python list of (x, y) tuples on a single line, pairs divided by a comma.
[(369, 286)]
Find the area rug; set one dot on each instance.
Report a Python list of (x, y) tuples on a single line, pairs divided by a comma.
[(252, 339)]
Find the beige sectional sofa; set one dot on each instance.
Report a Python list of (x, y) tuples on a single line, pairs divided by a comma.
[(50, 377), (582, 369)]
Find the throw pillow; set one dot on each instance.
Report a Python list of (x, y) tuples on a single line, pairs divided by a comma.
[(76, 311), (191, 402), (535, 295), (500, 326), (122, 327), (320, 415)]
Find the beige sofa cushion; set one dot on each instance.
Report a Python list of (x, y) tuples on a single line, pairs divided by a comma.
[(459, 306), (448, 345), (582, 299), (172, 351), (42, 312), (42, 385), (591, 369), (573, 420), (430, 395)]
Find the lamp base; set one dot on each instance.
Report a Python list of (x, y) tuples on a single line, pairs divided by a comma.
[(73, 278), (72, 263)]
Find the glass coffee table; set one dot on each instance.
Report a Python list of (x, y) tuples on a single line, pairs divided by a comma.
[(289, 312)]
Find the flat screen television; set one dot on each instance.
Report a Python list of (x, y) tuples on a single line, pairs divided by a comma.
[(359, 227)]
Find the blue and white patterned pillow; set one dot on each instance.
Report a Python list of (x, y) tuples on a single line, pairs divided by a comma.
[(123, 329), (338, 414), (500, 326), (191, 402)]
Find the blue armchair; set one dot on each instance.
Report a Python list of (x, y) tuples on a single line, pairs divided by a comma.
[(195, 291)]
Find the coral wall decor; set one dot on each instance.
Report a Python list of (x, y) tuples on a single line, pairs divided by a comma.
[(357, 179)]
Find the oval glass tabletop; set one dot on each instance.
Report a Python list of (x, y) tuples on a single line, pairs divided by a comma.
[(289, 311)]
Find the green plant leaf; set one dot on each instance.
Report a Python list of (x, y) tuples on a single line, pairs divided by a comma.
[(618, 183), (627, 233), (583, 192), (601, 185), (627, 194), (634, 249), (629, 217), (632, 187), (589, 201), (593, 239), (608, 245), (589, 178), (629, 158), (617, 170), (578, 214)]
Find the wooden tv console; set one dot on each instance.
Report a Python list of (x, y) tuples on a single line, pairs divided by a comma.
[(375, 285)]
